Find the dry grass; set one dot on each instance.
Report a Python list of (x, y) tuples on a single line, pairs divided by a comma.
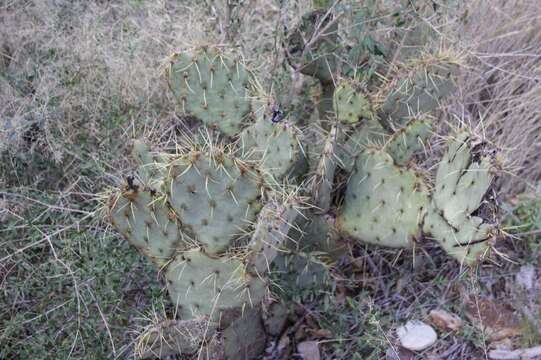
[(500, 93), (73, 66)]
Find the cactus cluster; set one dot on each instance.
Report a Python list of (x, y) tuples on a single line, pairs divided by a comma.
[(213, 216)]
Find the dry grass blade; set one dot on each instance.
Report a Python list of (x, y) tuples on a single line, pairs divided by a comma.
[(500, 92)]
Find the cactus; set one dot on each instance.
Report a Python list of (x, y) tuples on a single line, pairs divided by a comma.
[(218, 287), (388, 204), (275, 145), (145, 220), (218, 217), (416, 88), (404, 143), (351, 105), (384, 203), (226, 190), (461, 185), (312, 44), (213, 87), (150, 166), (323, 180)]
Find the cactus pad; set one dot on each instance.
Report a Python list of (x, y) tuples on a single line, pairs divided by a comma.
[(275, 145), (368, 133), (466, 243), (350, 104), (384, 203), (150, 166), (408, 140), (301, 271), (418, 91), (217, 287), (461, 185), (270, 234), (312, 43), (212, 87), (145, 220), (215, 196), (461, 182)]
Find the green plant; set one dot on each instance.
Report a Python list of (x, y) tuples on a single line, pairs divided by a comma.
[(213, 215), (192, 212)]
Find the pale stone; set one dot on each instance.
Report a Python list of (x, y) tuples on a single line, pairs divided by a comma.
[(416, 335)]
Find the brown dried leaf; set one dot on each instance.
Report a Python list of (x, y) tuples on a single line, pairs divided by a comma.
[(445, 320), (321, 333), (498, 320)]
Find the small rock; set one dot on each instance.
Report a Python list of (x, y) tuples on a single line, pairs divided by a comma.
[(445, 320), (309, 350), (416, 335), (525, 276)]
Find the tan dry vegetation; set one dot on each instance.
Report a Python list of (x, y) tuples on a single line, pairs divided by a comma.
[(500, 93), (75, 64)]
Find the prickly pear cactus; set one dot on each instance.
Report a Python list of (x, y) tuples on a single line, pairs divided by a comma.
[(218, 216), (462, 181), (194, 228), (384, 203), (213, 215), (277, 146), (218, 287), (416, 88), (312, 45), (225, 189), (143, 217), (404, 143), (390, 205), (213, 87), (351, 105)]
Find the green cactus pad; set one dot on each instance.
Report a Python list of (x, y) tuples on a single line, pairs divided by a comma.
[(145, 220), (314, 233), (368, 133), (461, 183), (384, 204), (323, 181), (216, 287), (467, 243), (214, 196), (212, 87), (300, 271), (270, 234), (275, 145), (418, 91), (350, 103), (150, 166), (408, 140)]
